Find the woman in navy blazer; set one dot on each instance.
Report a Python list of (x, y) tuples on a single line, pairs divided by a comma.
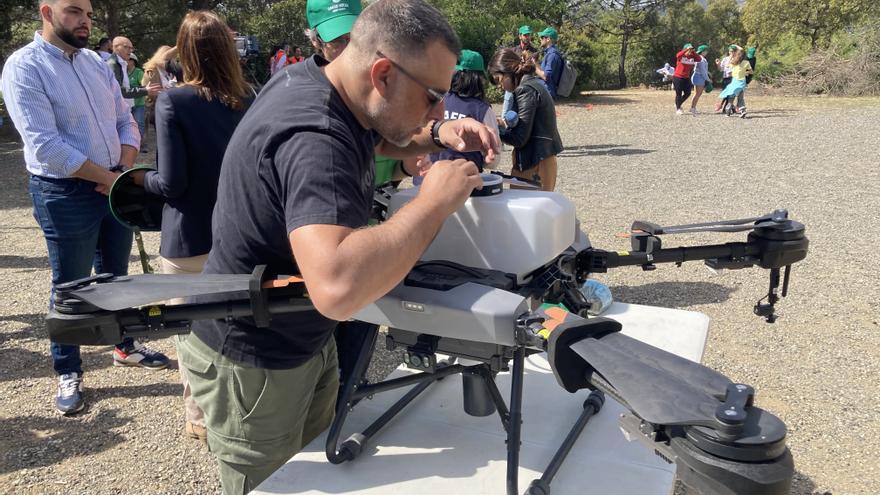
[(194, 123)]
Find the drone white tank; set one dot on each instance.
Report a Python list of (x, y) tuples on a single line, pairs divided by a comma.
[(516, 231)]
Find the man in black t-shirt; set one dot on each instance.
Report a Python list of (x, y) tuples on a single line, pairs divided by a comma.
[(295, 194)]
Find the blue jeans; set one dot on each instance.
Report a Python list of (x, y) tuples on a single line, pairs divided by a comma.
[(80, 233), (140, 116), (508, 103)]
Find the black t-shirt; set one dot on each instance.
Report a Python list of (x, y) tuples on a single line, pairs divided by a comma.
[(299, 157)]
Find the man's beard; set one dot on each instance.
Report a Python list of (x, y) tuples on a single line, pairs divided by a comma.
[(383, 122), (68, 37)]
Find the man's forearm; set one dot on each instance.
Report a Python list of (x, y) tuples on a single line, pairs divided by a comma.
[(134, 92), (94, 173), (127, 156), (372, 261)]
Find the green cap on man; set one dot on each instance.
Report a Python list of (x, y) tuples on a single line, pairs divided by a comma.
[(525, 30), (470, 60), (332, 18), (702, 48), (549, 32)]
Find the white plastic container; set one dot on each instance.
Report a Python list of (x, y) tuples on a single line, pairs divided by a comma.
[(516, 231)]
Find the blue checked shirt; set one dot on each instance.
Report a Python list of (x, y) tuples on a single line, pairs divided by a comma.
[(67, 110)]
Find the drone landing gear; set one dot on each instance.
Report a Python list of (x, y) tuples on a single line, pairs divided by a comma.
[(479, 382)]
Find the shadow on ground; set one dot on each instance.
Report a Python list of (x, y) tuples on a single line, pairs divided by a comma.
[(13, 174), (13, 261), (601, 150), (33, 441), (19, 363), (673, 294), (30, 442), (801, 485), (602, 99), (770, 113)]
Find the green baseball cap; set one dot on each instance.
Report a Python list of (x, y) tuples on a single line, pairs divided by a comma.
[(702, 48), (332, 18), (470, 60), (549, 32), (686, 46), (525, 30), (750, 52), (733, 47)]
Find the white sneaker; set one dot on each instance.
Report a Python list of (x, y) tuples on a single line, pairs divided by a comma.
[(679, 112), (693, 111)]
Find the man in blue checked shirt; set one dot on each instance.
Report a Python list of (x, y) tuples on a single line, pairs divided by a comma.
[(77, 133)]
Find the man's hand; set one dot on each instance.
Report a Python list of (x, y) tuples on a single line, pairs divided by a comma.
[(138, 177), (469, 135), (153, 89), (104, 186), (449, 183), (416, 166)]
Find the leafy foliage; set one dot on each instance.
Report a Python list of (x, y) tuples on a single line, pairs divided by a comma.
[(612, 42)]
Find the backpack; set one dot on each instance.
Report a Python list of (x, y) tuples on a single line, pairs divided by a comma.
[(567, 79)]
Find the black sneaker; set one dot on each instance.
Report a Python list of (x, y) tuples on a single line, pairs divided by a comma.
[(138, 354), (69, 398)]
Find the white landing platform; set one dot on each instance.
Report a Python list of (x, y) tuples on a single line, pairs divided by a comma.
[(433, 447)]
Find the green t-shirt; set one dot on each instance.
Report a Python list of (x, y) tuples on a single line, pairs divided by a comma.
[(384, 170), (135, 81)]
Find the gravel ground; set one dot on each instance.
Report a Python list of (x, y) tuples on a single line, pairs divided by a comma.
[(627, 157)]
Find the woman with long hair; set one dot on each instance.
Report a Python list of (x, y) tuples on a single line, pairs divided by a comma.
[(535, 138), (194, 123)]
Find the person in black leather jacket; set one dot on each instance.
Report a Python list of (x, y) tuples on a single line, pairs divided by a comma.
[(535, 138)]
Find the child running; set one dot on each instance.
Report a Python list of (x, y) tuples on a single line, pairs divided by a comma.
[(739, 70), (681, 80), (700, 76), (724, 66)]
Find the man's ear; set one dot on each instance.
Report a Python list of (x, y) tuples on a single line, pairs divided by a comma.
[(380, 75), (46, 12)]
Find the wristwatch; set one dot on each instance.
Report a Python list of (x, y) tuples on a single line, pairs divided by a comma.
[(435, 133)]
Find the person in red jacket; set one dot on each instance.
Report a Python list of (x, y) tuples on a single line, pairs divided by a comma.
[(685, 60)]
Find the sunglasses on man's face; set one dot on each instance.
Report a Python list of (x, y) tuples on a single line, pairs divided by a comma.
[(434, 96)]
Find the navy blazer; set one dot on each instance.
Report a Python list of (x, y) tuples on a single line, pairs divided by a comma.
[(191, 137)]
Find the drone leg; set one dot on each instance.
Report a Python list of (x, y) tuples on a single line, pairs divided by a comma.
[(591, 406), (515, 429), (345, 400), (354, 391)]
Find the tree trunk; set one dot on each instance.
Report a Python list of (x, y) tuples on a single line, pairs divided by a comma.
[(111, 11), (621, 66)]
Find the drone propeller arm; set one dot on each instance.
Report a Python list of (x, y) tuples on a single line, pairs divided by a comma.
[(599, 261), (721, 443), (156, 321)]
